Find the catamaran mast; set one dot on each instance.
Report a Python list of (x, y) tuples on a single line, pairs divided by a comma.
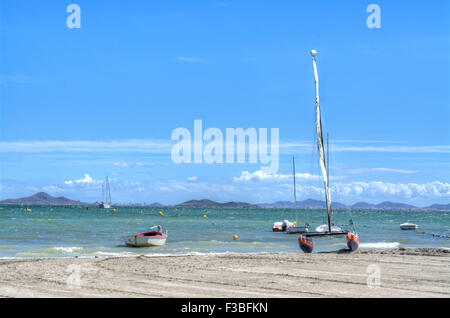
[(328, 155), (295, 191), (323, 164)]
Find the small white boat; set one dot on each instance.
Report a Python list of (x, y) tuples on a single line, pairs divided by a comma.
[(282, 226), (408, 226), (277, 227), (152, 238)]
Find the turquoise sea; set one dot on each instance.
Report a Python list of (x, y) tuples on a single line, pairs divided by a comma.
[(49, 231)]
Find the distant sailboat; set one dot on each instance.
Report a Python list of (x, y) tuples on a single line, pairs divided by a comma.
[(106, 196), (305, 242)]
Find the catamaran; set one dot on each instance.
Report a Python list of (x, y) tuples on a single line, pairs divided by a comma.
[(296, 229), (306, 242), (106, 196)]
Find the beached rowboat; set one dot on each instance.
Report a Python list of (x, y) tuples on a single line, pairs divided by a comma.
[(152, 238)]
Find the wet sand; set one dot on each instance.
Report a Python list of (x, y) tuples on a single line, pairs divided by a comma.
[(402, 273)]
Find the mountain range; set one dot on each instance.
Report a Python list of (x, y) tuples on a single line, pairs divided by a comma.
[(317, 204), (213, 204), (42, 198)]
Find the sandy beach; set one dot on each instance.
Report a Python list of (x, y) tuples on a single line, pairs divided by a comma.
[(402, 273)]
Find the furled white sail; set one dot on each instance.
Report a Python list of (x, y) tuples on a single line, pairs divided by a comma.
[(320, 146)]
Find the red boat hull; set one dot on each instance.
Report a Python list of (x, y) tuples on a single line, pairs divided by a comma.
[(352, 241), (306, 244)]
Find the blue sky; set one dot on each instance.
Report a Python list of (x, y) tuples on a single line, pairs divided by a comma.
[(105, 98)]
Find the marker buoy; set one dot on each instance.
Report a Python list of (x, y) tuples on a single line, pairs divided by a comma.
[(205, 216), (114, 210), (235, 237), (160, 213)]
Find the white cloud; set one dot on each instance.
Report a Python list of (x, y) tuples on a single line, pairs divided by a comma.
[(165, 146), (260, 175), (14, 79), (389, 189), (121, 164), (113, 146), (52, 189), (305, 147), (192, 59), (195, 178), (86, 180), (363, 170), (265, 189)]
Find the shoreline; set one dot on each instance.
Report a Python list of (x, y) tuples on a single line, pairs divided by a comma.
[(408, 250), (404, 272)]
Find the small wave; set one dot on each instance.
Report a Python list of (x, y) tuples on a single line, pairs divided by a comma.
[(386, 245), (67, 249), (115, 254)]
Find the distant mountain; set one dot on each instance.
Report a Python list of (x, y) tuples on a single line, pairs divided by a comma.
[(42, 198), (277, 205), (363, 206), (318, 204), (155, 205), (212, 204), (306, 204), (440, 207), (387, 205)]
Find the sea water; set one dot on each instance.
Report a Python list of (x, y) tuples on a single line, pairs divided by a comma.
[(51, 231)]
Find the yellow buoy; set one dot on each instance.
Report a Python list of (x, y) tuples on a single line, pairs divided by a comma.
[(294, 223), (114, 210), (205, 216), (160, 213), (235, 237)]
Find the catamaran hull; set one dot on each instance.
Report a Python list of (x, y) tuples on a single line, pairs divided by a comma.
[(306, 244), (104, 206), (296, 230), (140, 240), (352, 241)]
